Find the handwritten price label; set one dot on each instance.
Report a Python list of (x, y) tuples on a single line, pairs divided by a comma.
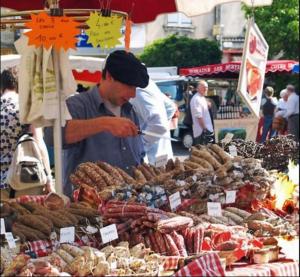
[(104, 31), (175, 200), (109, 233), (47, 31), (2, 222), (230, 196), (214, 209), (10, 240), (67, 234), (161, 160)]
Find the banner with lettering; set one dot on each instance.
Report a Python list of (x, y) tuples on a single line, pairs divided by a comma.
[(254, 61)]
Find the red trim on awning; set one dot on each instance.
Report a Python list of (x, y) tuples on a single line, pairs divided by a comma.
[(86, 76), (140, 11), (234, 67)]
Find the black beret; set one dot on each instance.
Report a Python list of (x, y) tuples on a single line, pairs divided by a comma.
[(126, 68)]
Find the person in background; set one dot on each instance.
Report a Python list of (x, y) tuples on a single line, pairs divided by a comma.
[(281, 107), (12, 129), (268, 109), (154, 110), (104, 125), (188, 121), (202, 123), (292, 112)]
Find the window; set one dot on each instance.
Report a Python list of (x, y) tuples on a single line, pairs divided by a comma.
[(179, 20)]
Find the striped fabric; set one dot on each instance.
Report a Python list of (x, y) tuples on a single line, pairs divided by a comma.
[(40, 199), (207, 265), (170, 262), (270, 269)]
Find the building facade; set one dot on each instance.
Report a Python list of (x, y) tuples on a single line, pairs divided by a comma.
[(226, 23)]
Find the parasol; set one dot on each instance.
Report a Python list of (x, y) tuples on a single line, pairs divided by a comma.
[(295, 68), (232, 69), (141, 11)]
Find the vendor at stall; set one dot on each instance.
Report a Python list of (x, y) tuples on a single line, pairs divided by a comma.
[(104, 126)]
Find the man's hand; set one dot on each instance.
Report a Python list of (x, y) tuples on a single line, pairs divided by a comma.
[(120, 127), (79, 129)]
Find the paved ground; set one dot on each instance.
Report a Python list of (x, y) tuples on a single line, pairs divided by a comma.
[(179, 151)]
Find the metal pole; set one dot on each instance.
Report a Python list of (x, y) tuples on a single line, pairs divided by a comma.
[(57, 133), (54, 6)]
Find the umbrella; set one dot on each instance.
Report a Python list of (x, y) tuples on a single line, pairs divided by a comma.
[(141, 11), (295, 68)]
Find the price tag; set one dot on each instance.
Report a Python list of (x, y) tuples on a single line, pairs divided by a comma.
[(230, 196), (56, 31), (2, 226), (10, 240), (233, 150), (104, 31), (109, 233), (228, 137), (175, 200), (67, 234), (214, 209), (161, 160)]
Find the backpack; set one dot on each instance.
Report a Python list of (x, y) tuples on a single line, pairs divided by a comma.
[(27, 170)]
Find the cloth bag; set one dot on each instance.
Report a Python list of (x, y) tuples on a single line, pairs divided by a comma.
[(27, 172)]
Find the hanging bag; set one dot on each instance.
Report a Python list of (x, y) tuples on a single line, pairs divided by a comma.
[(27, 173)]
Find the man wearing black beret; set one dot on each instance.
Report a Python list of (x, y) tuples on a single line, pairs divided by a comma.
[(104, 126)]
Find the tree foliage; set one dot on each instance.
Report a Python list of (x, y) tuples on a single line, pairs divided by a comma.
[(181, 51), (279, 24)]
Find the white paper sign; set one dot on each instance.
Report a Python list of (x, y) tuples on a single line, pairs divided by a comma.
[(2, 226), (233, 150), (161, 160), (228, 137), (10, 240), (175, 200), (109, 233), (230, 196), (67, 234), (214, 209)]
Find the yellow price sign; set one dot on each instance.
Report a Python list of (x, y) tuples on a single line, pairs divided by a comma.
[(104, 31)]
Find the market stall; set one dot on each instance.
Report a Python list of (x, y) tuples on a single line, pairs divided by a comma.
[(211, 206), (230, 72), (86, 70), (194, 217)]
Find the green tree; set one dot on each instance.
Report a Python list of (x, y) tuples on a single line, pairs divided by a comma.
[(181, 51), (279, 24)]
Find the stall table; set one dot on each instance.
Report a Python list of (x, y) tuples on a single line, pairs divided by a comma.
[(280, 268)]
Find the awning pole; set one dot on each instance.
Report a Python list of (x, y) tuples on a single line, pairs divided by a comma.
[(57, 133)]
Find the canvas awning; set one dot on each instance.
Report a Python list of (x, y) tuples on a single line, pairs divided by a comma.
[(141, 11), (232, 69)]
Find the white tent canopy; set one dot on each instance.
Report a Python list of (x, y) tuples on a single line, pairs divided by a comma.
[(77, 62)]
